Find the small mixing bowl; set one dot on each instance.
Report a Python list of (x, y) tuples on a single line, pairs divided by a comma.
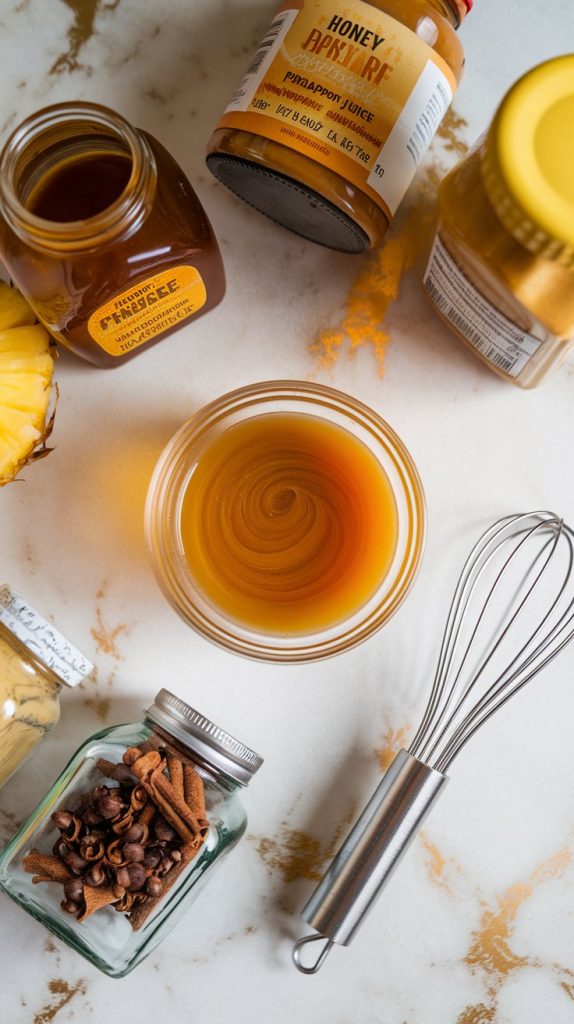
[(167, 490)]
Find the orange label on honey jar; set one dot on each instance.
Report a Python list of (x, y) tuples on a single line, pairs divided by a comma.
[(147, 309), (350, 87)]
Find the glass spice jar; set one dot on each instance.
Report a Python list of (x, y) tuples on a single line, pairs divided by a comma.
[(501, 271), (35, 662), (335, 112), (130, 831), (102, 232)]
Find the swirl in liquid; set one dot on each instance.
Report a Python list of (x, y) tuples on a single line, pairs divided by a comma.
[(288, 523)]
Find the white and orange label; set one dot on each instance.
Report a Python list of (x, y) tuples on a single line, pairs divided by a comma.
[(147, 309), (350, 87)]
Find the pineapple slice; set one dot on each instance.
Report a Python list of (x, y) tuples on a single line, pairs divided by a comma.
[(14, 310), (26, 367)]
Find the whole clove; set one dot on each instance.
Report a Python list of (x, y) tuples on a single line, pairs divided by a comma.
[(63, 819), (74, 890), (70, 906), (153, 886), (137, 876), (91, 818), (75, 862), (134, 833), (133, 852), (164, 832), (152, 858), (95, 875), (110, 806)]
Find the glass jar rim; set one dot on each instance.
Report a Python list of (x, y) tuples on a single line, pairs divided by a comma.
[(122, 217), (168, 484)]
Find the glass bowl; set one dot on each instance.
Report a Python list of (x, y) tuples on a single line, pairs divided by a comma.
[(167, 490)]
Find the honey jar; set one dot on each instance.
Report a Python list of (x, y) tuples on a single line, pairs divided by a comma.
[(336, 110), (102, 233), (501, 270)]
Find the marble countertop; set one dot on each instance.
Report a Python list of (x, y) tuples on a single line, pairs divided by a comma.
[(478, 926)]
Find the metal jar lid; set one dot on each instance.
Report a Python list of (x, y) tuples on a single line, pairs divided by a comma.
[(42, 639), (215, 746)]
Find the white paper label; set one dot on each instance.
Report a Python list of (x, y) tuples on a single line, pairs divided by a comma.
[(42, 639), (496, 337), (262, 59), (398, 159)]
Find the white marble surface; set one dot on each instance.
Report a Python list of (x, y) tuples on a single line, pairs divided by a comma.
[(479, 925)]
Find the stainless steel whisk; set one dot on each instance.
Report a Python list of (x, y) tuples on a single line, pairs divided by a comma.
[(511, 615)]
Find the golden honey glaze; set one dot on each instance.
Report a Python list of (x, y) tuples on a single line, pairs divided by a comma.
[(79, 188), (288, 523)]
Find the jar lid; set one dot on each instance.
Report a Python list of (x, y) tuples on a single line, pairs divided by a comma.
[(41, 639), (461, 7), (215, 746), (528, 159)]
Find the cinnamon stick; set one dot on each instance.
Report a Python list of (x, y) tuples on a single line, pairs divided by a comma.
[(95, 899), (175, 772), (45, 867), (194, 791)]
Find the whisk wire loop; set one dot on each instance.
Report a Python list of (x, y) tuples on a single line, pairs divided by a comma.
[(495, 643)]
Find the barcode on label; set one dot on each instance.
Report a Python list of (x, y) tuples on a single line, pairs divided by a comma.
[(262, 60), (491, 333), (428, 122), (402, 151), (266, 44), (467, 329)]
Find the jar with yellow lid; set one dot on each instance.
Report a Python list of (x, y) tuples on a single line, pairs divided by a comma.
[(501, 271), (335, 112)]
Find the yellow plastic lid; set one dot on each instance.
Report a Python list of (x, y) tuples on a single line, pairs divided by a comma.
[(528, 162)]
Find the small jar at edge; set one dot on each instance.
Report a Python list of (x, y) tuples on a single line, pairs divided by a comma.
[(35, 662), (102, 233), (501, 271), (336, 111)]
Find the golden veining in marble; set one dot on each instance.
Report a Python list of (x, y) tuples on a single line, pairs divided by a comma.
[(94, 698), (440, 868), (62, 994), (393, 740), (296, 854), (106, 636), (80, 31), (490, 952)]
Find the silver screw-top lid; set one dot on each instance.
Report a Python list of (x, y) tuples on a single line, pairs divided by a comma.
[(214, 746), (41, 639)]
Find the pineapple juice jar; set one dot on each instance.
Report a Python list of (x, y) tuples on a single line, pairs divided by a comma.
[(501, 271), (335, 112)]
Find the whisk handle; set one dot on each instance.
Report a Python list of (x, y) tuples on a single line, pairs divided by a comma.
[(372, 850)]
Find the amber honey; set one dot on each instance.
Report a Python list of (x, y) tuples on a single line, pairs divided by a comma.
[(103, 233), (82, 187), (288, 523)]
